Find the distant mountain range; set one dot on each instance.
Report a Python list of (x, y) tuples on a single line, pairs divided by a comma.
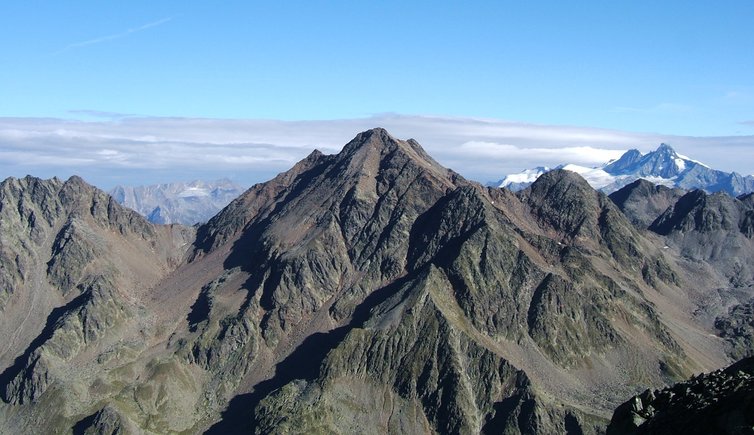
[(375, 291), (185, 203), (663, 166)]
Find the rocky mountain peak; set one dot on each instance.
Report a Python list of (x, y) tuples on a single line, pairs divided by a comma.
[(625, 162), (666, 150), (372, 170), (374, 137), (661, 166), (663, 162), (181, 202), (643, 202), (559, 185), (558, 176), (565, 201), (368, 149)]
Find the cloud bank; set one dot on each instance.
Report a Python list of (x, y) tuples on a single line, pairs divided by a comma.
[(139, 150)]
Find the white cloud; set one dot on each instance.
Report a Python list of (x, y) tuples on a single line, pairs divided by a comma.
[(584, 155), (135, 150)]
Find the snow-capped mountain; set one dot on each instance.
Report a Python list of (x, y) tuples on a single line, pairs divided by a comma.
[(522, 179), (185, 203), (662, 166)]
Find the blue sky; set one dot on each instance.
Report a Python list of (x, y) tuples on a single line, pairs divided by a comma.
[(666, 68)]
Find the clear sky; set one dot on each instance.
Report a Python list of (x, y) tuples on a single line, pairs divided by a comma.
[(675, 67), (683, 68)]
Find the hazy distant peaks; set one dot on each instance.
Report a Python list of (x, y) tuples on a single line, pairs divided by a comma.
[(179, 202)]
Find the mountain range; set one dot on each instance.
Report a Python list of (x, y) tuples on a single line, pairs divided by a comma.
[(368, 291), (185, 203), (662, 166)]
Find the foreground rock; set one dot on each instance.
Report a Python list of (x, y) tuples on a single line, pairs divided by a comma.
[(721, 402)]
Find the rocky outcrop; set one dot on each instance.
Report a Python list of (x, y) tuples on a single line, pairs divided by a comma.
[(69, 329), (721, 402), (737, 328), (414, 367), (107, 421)]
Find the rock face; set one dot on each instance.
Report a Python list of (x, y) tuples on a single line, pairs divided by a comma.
[(737, 327), (180, 203), (721, 402), (369, 291)]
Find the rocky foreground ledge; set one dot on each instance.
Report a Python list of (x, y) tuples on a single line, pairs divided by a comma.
[(721, 402)]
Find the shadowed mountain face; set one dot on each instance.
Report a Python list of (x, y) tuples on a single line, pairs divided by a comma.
[(368, 291), (642, 202)]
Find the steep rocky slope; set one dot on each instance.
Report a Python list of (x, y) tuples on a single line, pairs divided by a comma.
[(712, 237), (75, 264), (715, 233), (368, 291)]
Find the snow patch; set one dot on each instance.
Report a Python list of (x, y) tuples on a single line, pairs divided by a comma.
[(192, 192), (527, 176), (596, 177), (670, 182), (691, 160), (680, 164)]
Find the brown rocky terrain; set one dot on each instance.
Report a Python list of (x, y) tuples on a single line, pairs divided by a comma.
[(369, 291)]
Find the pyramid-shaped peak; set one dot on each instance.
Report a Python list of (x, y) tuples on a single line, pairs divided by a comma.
[(375, 138), (77, 180), (625, 163), (665, 148), (372, 146)]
